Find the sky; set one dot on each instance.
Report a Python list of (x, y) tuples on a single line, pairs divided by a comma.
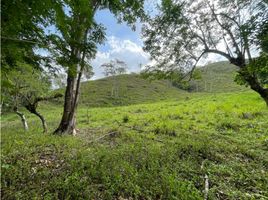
[(126, 45), (121, 43)]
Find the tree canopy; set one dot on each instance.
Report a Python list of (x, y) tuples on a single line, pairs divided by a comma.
[(185, 31), (23, 31), (114, 67)]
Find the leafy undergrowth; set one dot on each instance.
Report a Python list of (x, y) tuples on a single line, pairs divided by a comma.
[(150, 151)]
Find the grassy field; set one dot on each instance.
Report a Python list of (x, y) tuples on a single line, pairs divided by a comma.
[(146, 151)]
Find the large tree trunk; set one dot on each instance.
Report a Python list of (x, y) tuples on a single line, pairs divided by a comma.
[(256, 86), (68, 121), (264, 95), (67, 124), (250, 78), (76, 95), (23, 119)]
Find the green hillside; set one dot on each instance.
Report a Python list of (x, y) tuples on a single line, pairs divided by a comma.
[(133, 89), (217, 77)]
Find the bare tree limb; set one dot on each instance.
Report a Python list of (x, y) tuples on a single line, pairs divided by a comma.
[(229, 57), (23, 119), (225, 28), (58, 95), (19, 40), (193, 68), (227, 46)]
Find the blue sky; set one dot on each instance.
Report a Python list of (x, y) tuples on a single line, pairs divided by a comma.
[(113, 28), (125, 44), (122, 43)]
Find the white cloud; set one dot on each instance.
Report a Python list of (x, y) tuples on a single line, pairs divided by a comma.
[(126, 50)]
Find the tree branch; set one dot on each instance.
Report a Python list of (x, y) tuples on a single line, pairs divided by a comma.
[(220, 53), (19, 40), (227, 46), (196, 61), (225, 28), (58, 95)]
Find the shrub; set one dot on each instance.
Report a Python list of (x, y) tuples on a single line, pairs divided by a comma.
[(165, 129), (227, 125), (125, 119)]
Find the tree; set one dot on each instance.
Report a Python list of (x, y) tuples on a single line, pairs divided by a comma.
[(10, 99), (26, 87), (76, 43), (114, 68), (22, 32), (185, 31)]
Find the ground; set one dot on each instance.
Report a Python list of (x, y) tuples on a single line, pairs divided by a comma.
[(160, 150)]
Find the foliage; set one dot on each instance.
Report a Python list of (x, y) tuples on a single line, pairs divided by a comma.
[(257, 67), (22, 32), (114, 67), (22, 36), (23, 85), (78, 29), (183, 32), (175, 38), (262, 30)]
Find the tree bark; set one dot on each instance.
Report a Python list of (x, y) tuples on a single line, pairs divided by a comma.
[(67, 124), (1, 106), (44, 124), (32, 109), (23, 119), (256, 86), (68, 121), (251, 79), (264, 95)]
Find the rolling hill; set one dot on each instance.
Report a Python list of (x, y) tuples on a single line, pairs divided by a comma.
[(217, 77), (133, 89), (130, 89)]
